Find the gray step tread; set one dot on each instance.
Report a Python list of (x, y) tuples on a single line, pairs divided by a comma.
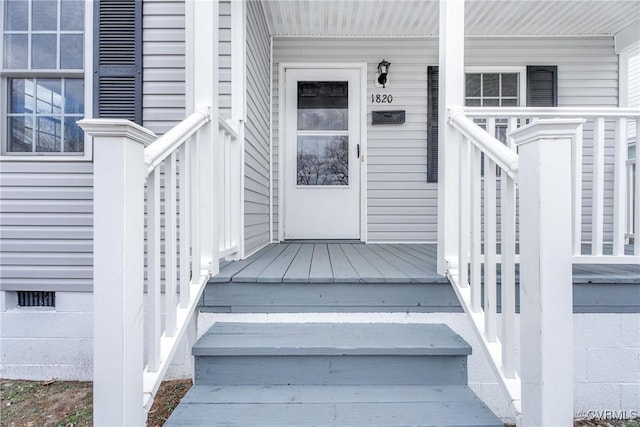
[(332, 406), (262, 339)]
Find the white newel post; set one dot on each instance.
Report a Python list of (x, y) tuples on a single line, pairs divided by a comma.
[(451, 93), (546, 308), (118, 262)]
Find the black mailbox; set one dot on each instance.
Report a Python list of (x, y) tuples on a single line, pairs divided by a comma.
[(387, 117)]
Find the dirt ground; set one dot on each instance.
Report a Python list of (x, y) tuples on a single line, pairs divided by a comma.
[(69, 403)]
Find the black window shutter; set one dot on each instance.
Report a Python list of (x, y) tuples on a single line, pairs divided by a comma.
[(118, 59), (542, 86), (432, 123)]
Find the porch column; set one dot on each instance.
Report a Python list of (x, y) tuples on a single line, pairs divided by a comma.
[(451, 73), (118, 235), (546, 303), (202, 69)]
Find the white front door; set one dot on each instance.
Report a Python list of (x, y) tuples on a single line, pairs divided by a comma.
[(322, 144)]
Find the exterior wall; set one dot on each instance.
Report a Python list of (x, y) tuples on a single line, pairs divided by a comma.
[(401, 204), (44, 343), (163, 89), (606, 354), (224, 67), (46, 225), (256, 191)]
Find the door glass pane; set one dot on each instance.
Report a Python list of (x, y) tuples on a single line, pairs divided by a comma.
[(323, 105), (323, 160)]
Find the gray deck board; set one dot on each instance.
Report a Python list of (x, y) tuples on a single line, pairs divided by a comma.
[(298, 271), (321, 271), (348, 262), (388, 270), (367, 271), (233, 268), (271, 339), (343, 271), (251, 272), (275, 272)]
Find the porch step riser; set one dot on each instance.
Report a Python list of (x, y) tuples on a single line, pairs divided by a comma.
[(331, 370)]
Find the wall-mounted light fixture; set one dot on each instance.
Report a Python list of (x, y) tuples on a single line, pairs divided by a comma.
[(383, 71)]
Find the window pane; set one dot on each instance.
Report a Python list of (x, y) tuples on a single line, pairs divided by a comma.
[(16, 15), (490, 85), (473, 103), (15, 51), (490, 102), (71, 51), (21, 96), (49, 96), (473, 84), (323, 160), (72, 15), (510, 84), (20, 134), (74, 96), (44, 15), (323, 105), (509, 102), (43, 55), (48, 134), (73, 135)]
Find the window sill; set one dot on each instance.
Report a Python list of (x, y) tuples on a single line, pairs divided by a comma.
[(45, 158)]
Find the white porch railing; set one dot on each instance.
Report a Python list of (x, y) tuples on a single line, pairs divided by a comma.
[(184, 242), (550, 169), (604, 202)]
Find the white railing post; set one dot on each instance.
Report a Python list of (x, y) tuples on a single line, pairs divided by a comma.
[(451, 93), (545, 271), (118, 256)]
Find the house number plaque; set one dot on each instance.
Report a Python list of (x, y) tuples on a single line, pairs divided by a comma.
[(380, 98)]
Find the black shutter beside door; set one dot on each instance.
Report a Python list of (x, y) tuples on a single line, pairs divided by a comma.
[(432, 123), (118, 59)]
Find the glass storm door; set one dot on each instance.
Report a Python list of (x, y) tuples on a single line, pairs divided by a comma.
[(322, 165)]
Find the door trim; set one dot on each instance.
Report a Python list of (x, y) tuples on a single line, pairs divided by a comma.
[(360, 66)]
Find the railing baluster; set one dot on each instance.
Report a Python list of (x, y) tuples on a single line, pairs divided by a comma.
[(171, 236), (185, 225), (220, 200), (490, 249), (597, 219), (464, 206), (227, 191), (636, 195), (194, 186), (619, 202), (576, 177), (153, 269), (476, 230), (508, 275)]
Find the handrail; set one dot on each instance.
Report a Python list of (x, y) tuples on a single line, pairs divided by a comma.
[(504, 157), (160, 149), (565, 112)]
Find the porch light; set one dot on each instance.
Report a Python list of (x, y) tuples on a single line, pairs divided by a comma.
[(383, 70)]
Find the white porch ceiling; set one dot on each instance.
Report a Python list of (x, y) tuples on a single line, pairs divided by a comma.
[(380, 18)]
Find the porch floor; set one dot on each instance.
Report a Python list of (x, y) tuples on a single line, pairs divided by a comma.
[(346, 262)]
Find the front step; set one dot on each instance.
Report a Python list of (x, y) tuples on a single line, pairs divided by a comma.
[(389, 405), (306, 374)]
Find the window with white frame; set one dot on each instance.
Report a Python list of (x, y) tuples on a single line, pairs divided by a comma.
[(493, 89), (43, 73)]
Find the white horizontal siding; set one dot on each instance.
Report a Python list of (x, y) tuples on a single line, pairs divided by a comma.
[(256, 205), (46, 225), (224, 67), (401, 204), (163, 89)]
